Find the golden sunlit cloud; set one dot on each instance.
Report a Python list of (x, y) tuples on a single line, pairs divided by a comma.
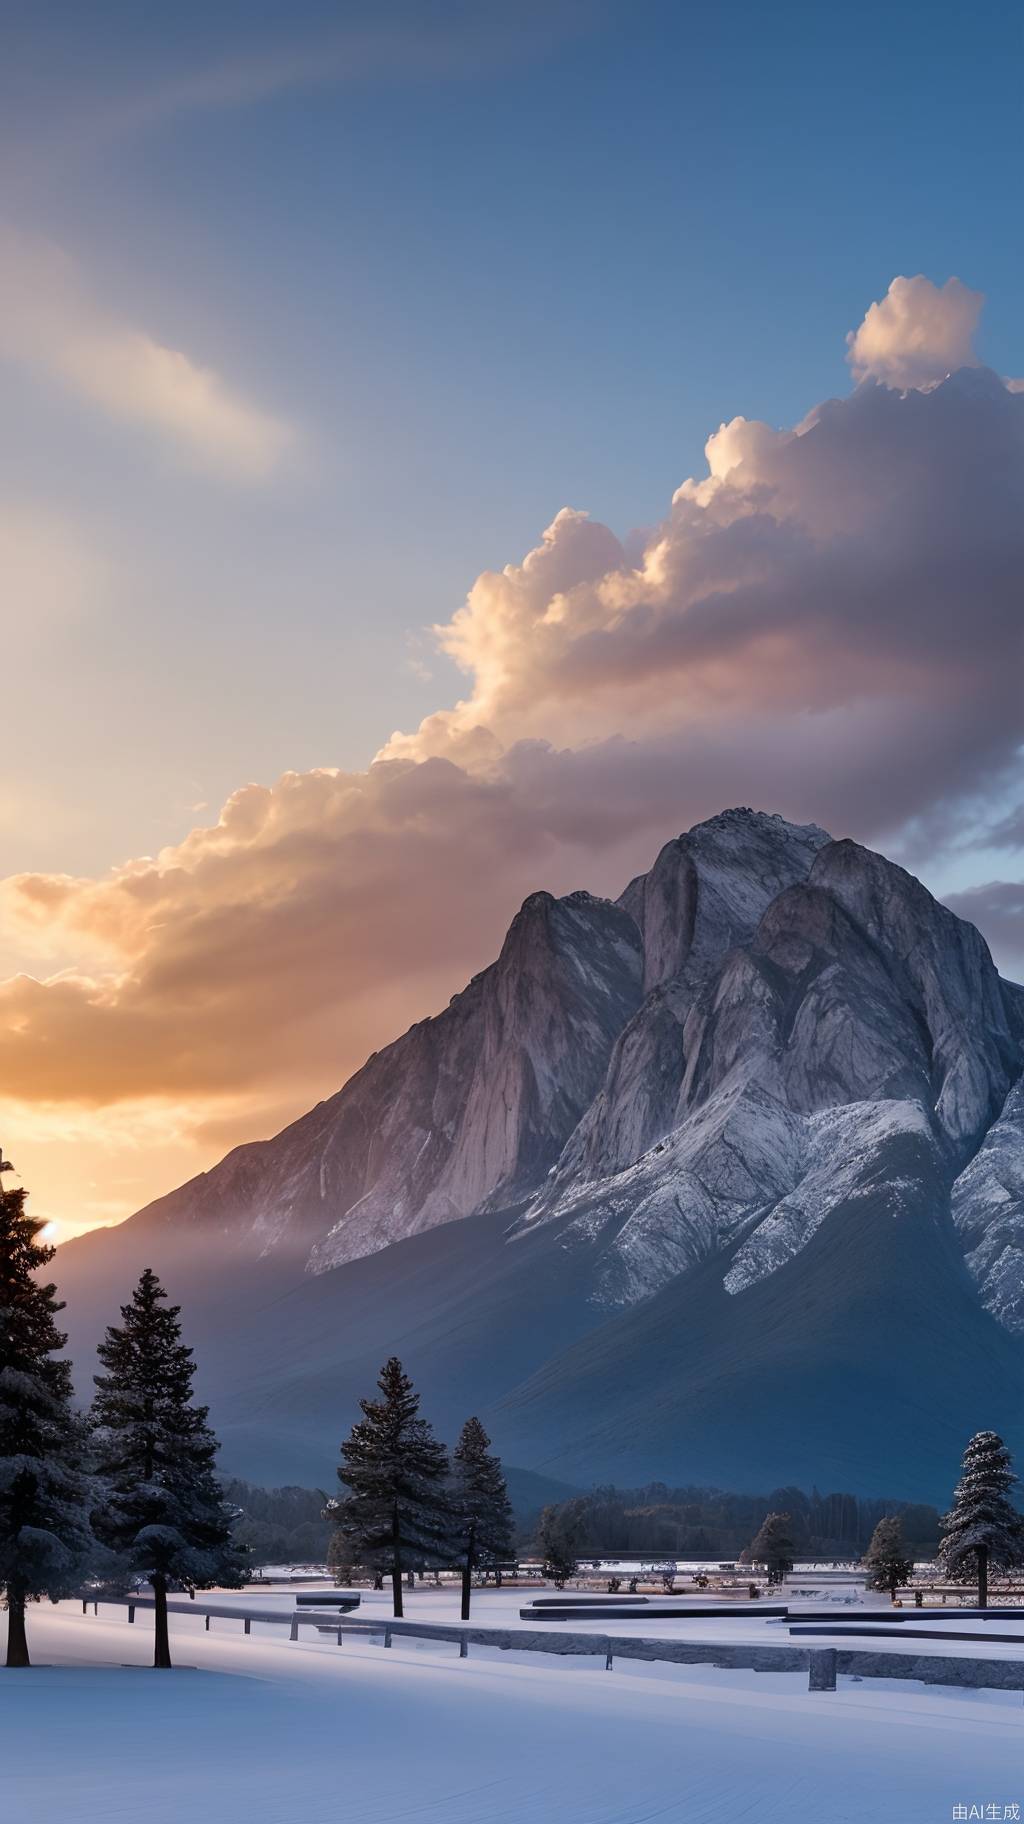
[(917, 334), (855, 578)]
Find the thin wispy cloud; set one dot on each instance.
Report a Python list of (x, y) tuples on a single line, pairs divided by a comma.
[(52, 322), (456, 42)]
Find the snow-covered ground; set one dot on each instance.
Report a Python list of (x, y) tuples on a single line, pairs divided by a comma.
[(266, 1731), (851, 1604)]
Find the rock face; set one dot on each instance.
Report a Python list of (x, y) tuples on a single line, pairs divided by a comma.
[(466, 1110), (751, 1087), (776, 1058)]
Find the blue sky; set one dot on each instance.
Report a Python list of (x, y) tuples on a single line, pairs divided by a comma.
[(312, 314), (539, 274)]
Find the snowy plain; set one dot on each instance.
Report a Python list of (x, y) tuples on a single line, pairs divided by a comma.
[(269, 1731)]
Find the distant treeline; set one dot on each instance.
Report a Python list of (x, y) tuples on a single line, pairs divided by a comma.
[(709, 1523), (280, 1525), (286, 1525)]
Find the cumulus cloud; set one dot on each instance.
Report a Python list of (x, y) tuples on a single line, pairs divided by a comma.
[(917, 334), (861, 572), (52, 321), (827, 624)]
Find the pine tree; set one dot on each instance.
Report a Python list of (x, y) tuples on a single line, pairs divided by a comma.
[(982, 1529), (396, 1515), (165, 1515), (559, 1535), (773, 1546), (888, 1566), (340, 1558), (483, 1511), (45, 1496)]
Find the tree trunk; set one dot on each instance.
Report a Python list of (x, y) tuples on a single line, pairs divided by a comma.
[(396, 1564), (161, 1637), (17, 1640), (467, 1573), (983, 1576)]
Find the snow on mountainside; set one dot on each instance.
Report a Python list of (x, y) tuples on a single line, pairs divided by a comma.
[(988, 1210), (842, 1148), (748, 1123)]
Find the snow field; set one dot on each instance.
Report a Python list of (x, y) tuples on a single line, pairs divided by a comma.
[(270, 1732)]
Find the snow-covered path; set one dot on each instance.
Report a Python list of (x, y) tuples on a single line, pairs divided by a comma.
[(266, 1732)]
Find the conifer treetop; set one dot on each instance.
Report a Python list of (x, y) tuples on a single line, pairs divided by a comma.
[(394, 1470), (982, 1515), (480, 1494), (886, 1560)]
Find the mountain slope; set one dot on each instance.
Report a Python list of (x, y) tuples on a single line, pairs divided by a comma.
[(864, 1362), (468, 1108)]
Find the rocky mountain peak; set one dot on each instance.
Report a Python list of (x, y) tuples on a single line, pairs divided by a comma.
[(758, 966), (708, 888), (792, 974), (772, 1092)]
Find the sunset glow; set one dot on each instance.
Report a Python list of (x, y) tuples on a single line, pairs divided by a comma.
[(278, 765)]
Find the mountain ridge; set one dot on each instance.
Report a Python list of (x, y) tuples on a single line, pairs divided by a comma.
[(771, 1046)]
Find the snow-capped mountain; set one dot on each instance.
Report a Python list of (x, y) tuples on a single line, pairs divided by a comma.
[(774, 1051)]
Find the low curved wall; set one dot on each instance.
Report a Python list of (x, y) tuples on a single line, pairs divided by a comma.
[(661, 1611)]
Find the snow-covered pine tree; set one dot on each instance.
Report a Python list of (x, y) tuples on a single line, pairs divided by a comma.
[(483, 1511), (773, 1546), (982, 1528), (46, 1542), (164, 1515), (886, 1561), (396, 1515)]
